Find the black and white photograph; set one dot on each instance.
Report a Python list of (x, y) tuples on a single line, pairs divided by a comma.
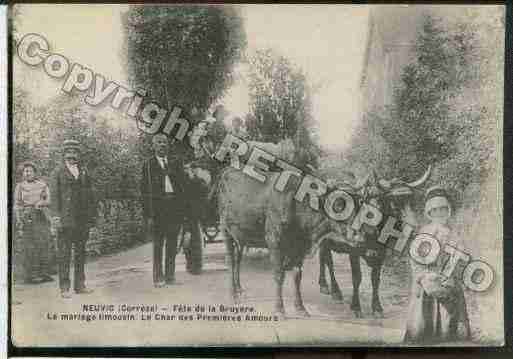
[(194, 175)]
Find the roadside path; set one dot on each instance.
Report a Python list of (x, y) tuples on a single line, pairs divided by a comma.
[(125, 278)]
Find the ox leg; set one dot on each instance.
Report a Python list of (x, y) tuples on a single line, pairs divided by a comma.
[(357, 279), (323, 252), (229, 245), (279, 277), (336, 294), (377, 309), (238, 259), (298, 303)]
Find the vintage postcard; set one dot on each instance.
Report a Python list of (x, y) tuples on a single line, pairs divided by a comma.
[(256, 175)]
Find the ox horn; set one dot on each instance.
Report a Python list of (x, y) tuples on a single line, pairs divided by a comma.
[(374, 176), (310, 168), (382, 184), (421, 180), (362, 182)]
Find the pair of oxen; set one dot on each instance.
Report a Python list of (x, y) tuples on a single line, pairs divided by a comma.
[(255, 214)]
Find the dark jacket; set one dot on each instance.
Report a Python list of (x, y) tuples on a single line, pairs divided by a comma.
[(153, 190), (72, 199)]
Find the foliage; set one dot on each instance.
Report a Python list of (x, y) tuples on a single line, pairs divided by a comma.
[(110, 154), (426, 128), (437, 115), (183, 55), (280, 104), (119, 225)]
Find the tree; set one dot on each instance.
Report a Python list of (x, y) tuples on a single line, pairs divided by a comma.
[(111, 154), (251, 124), (435, 121), (437, 115), (280, 104), (183, 55)]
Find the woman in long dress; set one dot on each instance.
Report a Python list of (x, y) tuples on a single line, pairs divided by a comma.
[(437, 307), (31, 200)]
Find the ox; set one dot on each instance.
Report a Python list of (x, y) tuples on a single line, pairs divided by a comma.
[(255, 214), (393, 199)]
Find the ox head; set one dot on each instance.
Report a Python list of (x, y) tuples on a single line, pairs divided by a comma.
[(392, 196)]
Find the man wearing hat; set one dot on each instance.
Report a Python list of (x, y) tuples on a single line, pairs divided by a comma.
[(73, 211)]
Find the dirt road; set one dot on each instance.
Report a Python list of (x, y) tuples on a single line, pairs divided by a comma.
[(125, 280)]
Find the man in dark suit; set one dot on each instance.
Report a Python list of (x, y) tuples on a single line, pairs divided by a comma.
[(165, 204), (73, 211)]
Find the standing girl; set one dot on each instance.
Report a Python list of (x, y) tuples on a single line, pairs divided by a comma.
[(438, 310)]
